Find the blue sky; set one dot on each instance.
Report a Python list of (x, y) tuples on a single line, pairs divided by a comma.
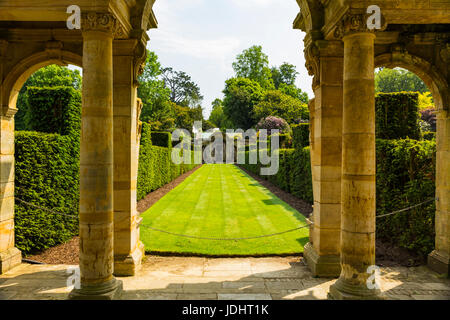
[(203, 38)]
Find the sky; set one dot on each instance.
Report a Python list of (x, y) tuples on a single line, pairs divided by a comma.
[(203, 38)]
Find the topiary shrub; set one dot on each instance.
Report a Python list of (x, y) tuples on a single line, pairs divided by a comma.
[(397, 116)]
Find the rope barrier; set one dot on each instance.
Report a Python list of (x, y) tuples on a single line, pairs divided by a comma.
[(224, 239)]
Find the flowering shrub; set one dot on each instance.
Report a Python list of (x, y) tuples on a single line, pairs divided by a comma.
[(429, 116), (273, 123)]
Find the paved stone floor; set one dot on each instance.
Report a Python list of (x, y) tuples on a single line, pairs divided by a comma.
[(224, 279)]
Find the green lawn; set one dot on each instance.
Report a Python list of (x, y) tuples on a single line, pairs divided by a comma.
[(221, 201)]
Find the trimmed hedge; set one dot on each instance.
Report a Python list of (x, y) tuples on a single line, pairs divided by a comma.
[(294, 174), (300, 135), (47, 174), (155, 163), (397, 115), (162, 139), (54, 110), (47, 168), (405, 177)]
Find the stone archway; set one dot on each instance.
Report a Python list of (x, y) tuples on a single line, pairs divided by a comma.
[(341, 53)]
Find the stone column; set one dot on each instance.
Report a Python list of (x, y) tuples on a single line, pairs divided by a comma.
[(358, 168), (325, 61), (96, 162), (10, 256), (439, 259), (128, 250)]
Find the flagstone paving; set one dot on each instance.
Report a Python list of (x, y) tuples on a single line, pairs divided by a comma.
[(170, 278)]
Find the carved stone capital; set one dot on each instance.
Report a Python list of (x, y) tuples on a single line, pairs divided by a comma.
[(104, 22), (312, 56), (354, 23), (140, 58)]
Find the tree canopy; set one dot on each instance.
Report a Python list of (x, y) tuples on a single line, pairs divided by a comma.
[(241, 95), (398, 80), (253, 64)]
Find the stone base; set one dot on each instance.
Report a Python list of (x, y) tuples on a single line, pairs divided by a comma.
[(126, 266), (111, 290), (341, 290), (439, 263), (322, 266), (9, 259)]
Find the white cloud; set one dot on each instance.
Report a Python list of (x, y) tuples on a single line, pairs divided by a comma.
[(253, 3)]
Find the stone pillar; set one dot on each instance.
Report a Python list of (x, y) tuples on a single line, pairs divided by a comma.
[(439, 259), (96, 162), (325, 61), (128, 250), (358, 169), (10, 256)]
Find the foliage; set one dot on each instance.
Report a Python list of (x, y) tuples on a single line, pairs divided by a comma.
[(397, 116), (154, 95), (300, 135), (405, 177), (54, 110), (161, 139), (429, 116), (46, 174), (426, 101), (294, 92), (273, 123), (285, 74), (276, 103), (50, 76), (155, 162), (183, 91), (429, 136), (218, 117), (241, 95), (253, 64), (398, 80)]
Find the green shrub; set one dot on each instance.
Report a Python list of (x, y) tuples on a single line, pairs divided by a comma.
[(300, 135), (429, 136), (46, 174), (54, 110), (397, 116), (162, 139), (155, 163), (405, 177)]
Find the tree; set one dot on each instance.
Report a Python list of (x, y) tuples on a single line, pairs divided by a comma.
[(50, 76), (241, 95), (183, 90), (286, 73), (294, 92), (276, 103), (218, 117), (254, 64), (398, 80), (155, 96)]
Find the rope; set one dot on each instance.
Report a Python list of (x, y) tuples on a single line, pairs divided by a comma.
[(45, 209), (405, 209), (225, 239)]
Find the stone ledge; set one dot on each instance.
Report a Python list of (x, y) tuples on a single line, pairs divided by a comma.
[(9, 259)]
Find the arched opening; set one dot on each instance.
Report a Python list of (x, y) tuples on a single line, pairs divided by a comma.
[(412, 161), (46, 139)]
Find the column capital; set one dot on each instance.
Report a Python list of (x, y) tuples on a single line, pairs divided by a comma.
[(103, 22), (317, 50), (355, 23)]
